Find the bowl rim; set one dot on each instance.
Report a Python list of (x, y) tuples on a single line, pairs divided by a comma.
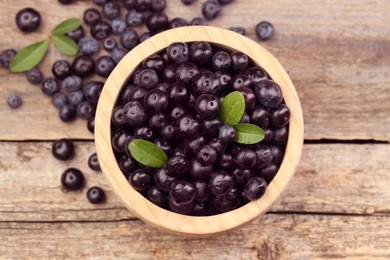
[(162, 218)]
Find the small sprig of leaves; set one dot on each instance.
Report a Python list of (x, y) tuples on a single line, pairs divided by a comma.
[(232, 109), (31, 55)]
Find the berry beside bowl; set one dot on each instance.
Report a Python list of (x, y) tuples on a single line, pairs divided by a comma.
[(226, 122)]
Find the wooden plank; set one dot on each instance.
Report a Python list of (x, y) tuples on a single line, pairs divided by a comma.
[(270, 237), (335, 53), (332, 178)]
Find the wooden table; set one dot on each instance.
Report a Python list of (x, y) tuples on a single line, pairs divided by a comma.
[(337, 206)]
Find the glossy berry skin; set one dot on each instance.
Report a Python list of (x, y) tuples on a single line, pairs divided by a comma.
[(153, 62), (211, 127), (177, 166), (164, 145), (268, 93), (59, 99), (61, 69), (117, 54), (211, 9), (280, 116), (134, 18), (245, 118), (34, 76), (111, 10), (207, 155), (245, 159), (186, 72), (93, 162), (147, 78), (255, 188), (207, 106), (178, 52), (91, 16), (127, 164), (158, 5), (100, 30), (157, 121), (49, 86), (269, 134), (193, 145), (280, 136), (28, 20), (88, 45), (241, 177), (187, 127), (85, 110), (184, 209), (157, 197), (109, 44), (92, 91), (162, 180), (260, 117), (72, 179), (206, 82), (117, 118), (144, 36), (182, 192), (77, 34), (179, 93), (199, 171), (140, 179), (227, 134), (129, 39), (263, 156), (6, 57), (240, 61), (157, 22), (137, 94), (104, 65), (221, 182), (256, 74), (143, 5), (168, 132), (83, 66), (177, 112), (76, 97), (264, 31), (225, 81), (202, 192), (225, 162), (156, 101), (67, 113), (118, 26), (250, 98), (221, 61), (238, 29), (216, 143), (135, 114), (145, 133), (241, 81), (227, 201), (96, 195), (91, 125), (177, 22), (14, 101)]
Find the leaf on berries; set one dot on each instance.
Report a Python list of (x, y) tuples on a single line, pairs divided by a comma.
[(66, 26), (249, 133), (232, 108), (65, 44), (28, 57), (147, 153)]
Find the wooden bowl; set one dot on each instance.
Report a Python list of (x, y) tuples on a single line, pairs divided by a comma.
[(167, 220)]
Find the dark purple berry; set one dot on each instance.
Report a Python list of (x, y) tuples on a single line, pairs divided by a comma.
[(221, 61), (61, 69), (158, 5), (225, 162), (245, 159), (63, 149), (127, 164), (221, 182), (280, 136), (178, 52), (109, 44), (202, 193), (193, 145), (241, 81), (72, 179), (216, 143), (238, 29), (85, 110), (198, 21), (91, 16), (134, 18), (76, 97), (96, 195), (241, 177), (179, 93), (14, 101), (92, 91), (182, 192), (206, 82), (59, 99), (144, 36), (264, 31), (227, 134), (129, 4), (28, 20), (135, 114), (177, 22), (88, 45), (268, 93), (225, 81), (34, 76), (93, 162), (6, 57), (129, 39), (137, 94), (207, 106), (162, 180), (250, 98), (141, 179), (207, 155), (145, 133), (240, 61), (263, 156), (143, 5), (118, 26), (269, 172), (260, 117), (280, 116), (199, 171), (157, 197), (256, 74), (49, 86), (201, 52), (147, 78), (153, 62), (211, 127), (117, 118), (187, 126), (177, 166), (211, 9), (100, 30), (83, 66), (67, 113), (186, 72), (104, 65), (117, 54), (245, 118), (156, 101), (164, 145), (91, 125), (111, 10), (184, 209), (77, 34), (157, 121)]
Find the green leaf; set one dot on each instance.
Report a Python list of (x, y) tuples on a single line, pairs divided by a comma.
[(65, 44), (28, 57), (66, 26), (232, 108), (147, 153), (249, 134)]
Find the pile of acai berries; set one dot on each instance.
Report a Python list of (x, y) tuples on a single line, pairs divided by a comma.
[(175, 99)]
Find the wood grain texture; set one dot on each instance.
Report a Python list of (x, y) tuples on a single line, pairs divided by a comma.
[(347, 179), (278, 237), (142, 207), (334, 51)]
